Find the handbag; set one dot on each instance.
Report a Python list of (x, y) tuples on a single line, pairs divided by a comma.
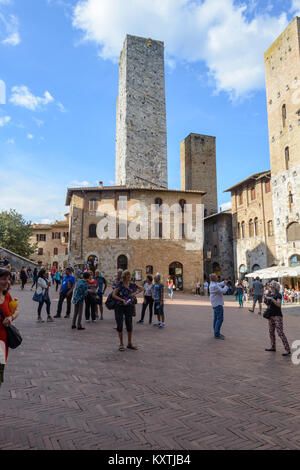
[(13, 336), (37, 297), (267, 314), (110, 302)]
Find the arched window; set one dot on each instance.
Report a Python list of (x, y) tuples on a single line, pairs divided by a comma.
[(122, 262), (242, 269), (158, 201), (55, 251), (253, 196), (251, 228), (293, 232), (256, 267), (287, 157), (256, 227), (238, 233), (294, 261), (93, 231), (149, 269), (291, 200), (270, 228), (243, 229), (283, 115), (93, 205), (215, 250)]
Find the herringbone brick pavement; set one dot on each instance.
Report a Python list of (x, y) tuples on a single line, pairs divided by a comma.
[(182, 389)]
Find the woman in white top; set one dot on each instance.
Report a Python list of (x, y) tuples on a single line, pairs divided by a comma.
[(148, 299), (43, 289)]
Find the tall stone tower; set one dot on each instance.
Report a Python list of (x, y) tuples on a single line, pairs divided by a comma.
[(141, 144), (282, 66), (198, 168)]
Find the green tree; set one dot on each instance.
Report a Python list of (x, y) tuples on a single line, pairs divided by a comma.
[(15, 233)]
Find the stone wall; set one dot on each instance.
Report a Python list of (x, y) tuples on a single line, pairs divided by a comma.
[(258, 249), (141, 143), (199, 169), (48, 258), (16, 261), (158, 253), (218, 248), (282, 65)]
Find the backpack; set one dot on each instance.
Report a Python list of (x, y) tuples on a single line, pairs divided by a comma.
[(110, 302)]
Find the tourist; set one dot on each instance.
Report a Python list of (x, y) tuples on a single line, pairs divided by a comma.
[(205, 285), (66, 292), (91, 298), (35, 278), (170, 285), (273, 301), (240, 293), (57, 278), (52, 273), (102, 286), (257, 293), (43, 289), (123, 294), (80, 293), (246, 290), (10, 313), (148, 299), (23, 277), (158, 294), (217, 289), (198, 288)]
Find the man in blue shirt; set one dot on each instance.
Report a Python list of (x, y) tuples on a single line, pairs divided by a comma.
[(66, 292), (158, 294)]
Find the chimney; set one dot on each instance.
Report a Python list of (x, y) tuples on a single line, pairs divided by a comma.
[(101, 184)]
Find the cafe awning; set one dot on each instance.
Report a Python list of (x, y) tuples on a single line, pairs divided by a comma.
[(276, 272)]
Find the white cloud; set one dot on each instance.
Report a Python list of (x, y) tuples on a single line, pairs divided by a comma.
[(295, 9), (11, 27), (80, 184), (30, 136), (226, 206), (22, 96), (61, 107), (10, 141), (216, 32), (12, 40), (4, 120)]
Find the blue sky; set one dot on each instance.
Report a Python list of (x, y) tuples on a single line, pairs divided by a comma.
[(59, 62)]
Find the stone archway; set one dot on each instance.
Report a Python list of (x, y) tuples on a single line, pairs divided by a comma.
[(176, 273)]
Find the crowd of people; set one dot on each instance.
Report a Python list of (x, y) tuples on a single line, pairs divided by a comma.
[(85, 290)]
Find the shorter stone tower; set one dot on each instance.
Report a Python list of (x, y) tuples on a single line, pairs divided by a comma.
[(198, 168)]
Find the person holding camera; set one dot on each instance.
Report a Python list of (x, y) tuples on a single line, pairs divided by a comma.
[(274, 314)]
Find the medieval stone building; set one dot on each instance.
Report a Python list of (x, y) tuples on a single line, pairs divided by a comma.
[(52, 243), (252, 224), (141, 180), (282, 65)]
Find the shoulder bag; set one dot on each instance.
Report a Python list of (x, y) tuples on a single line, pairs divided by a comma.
[(13, 336)]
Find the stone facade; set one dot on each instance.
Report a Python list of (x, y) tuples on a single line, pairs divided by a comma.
[(16, 261), (199, 170), (86, 204), (52, 242), (141, 141), (218, 246), (252, 224), (282, 66)]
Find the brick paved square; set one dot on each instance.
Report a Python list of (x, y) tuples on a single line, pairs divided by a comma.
[(69, 389)]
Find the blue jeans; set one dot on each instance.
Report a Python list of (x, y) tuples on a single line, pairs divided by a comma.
[(218, 319)]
